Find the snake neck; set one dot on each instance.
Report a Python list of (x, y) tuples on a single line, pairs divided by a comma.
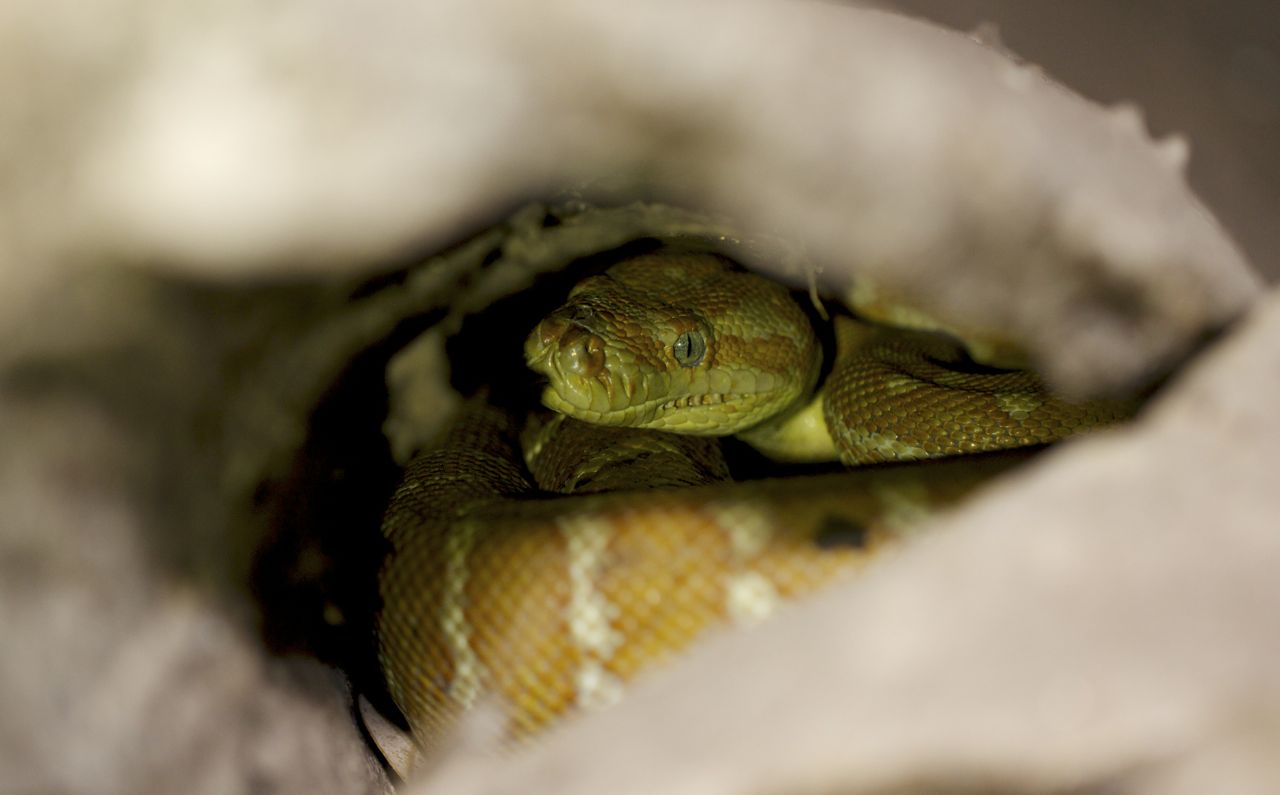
[(801, 434)]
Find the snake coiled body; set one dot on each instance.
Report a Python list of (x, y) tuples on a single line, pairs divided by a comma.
[(620, 353), (496, 592)]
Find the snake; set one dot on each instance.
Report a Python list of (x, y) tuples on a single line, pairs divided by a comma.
[(541, 564)]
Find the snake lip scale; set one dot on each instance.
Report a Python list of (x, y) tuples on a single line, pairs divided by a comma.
[(651, 411), (711, 398), (559, 396)]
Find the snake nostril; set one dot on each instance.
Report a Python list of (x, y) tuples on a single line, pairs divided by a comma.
[(550, 330), (581, 353)]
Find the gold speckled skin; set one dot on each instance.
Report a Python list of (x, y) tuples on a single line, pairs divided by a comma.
[(609, 355), (497, 593), (544, 608), (900, 395), (892, 394)]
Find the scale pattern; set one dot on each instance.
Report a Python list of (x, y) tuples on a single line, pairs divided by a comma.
[(547, 607), (497, 592), (901, 395)]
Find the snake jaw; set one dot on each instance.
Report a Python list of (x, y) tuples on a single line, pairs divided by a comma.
[(714, 401)]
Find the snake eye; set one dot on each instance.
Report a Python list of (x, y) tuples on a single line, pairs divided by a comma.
[(689, 349)]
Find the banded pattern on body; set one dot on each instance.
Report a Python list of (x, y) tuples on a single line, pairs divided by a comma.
[(546, 607), (904, 395), (496, 594)]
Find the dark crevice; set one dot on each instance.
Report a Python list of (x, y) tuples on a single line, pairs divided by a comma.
[(315, 575)]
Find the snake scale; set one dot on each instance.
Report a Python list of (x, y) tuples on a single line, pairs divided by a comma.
[(530, 572)]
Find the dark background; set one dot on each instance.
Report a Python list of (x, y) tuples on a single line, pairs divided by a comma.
[(1208, 71)]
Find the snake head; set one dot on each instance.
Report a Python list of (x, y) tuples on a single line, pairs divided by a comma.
[(677, 342)]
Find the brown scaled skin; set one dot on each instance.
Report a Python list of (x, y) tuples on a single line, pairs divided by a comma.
[(612, 355), (679, 342), (495, 594), (543, 608)]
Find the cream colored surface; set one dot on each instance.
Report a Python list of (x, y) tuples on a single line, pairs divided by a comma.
[(331, 134)]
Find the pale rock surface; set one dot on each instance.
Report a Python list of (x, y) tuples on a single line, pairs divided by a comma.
[(191, 196)]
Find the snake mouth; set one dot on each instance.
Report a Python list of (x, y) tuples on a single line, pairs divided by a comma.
[(709, 399), (609, 399), (700, 414), (604, 396)]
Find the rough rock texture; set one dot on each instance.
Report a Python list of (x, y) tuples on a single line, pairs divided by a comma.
[(218, 152), (118, 675), (193, 201), (1210, 73)]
